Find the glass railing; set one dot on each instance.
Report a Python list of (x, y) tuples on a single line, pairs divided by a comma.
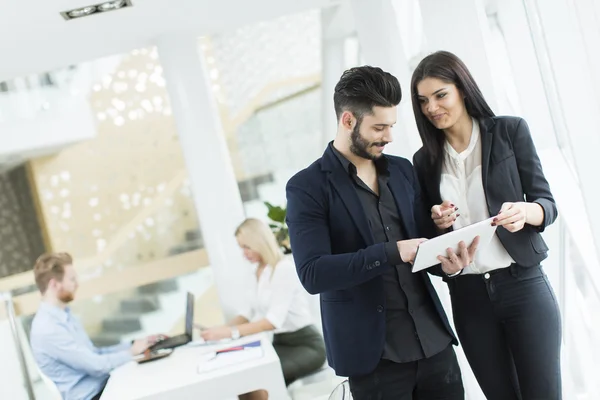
[(167, 227)]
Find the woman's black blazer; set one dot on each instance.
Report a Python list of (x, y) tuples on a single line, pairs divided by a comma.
[(511, 172)]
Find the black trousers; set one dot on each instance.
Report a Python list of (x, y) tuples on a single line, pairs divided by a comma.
[(508, 323), (433, 378)]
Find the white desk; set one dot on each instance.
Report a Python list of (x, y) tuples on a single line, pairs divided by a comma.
[(176, 377)]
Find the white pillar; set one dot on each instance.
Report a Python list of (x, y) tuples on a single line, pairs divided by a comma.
[(332, 67), (213, 183), (381, 46), (461, 27)]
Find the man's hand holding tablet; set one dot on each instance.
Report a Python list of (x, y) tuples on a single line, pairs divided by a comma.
[(454, 250), (454, 263)]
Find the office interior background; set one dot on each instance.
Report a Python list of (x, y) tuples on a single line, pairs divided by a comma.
[(139, 137)]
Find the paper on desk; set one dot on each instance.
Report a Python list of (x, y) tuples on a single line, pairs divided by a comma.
[(210, 361)]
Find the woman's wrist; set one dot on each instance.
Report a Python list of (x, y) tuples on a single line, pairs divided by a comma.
[(534, 213), (235, 333)]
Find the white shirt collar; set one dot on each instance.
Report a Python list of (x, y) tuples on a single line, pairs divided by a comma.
[(475, 133)]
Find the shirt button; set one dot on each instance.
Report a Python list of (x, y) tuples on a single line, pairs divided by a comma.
[(380, 308), (487, 276), (387, 228)]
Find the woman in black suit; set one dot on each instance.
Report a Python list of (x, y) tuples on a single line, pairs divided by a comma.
[(474, 166)]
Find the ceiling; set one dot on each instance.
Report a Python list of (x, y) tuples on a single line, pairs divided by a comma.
[(35, 38)]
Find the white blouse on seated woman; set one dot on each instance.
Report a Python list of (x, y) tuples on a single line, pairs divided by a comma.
[(281, 299)]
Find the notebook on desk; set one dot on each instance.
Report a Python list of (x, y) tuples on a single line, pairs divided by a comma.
[(230, 356)]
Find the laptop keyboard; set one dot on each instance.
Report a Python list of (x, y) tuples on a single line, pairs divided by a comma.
[(170, 342)]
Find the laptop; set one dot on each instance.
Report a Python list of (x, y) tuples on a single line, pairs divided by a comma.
[(148, 355), (185, 338)]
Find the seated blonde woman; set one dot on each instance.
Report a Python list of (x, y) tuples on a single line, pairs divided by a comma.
[(281, 305)]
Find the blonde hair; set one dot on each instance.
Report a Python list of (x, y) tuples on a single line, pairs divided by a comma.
[(258, 237), (50, 266)]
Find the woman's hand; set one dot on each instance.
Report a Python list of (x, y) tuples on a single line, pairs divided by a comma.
[(444, 215), (216, 333), (512, 216), (454, 263)]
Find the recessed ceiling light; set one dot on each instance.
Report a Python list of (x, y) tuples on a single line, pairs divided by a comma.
[(82, 12), (96, 9), (111, 5)]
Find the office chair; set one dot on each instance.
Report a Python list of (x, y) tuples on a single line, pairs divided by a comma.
[(54, 392)]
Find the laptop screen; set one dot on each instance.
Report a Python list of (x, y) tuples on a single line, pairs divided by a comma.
[(189, 314)]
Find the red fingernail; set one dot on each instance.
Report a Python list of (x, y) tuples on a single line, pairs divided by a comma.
[(493, 224), (456, 209), (499, 212), (495, 219), (451, 205), (457, 215)]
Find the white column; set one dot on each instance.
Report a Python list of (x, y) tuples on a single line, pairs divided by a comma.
[(213, 183), (381, 46), (461, 27), (332, 67)]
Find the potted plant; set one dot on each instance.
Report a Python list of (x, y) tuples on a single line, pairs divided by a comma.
[(277, 216)]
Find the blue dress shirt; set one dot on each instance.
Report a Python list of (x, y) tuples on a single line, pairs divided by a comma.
[(66, 355)]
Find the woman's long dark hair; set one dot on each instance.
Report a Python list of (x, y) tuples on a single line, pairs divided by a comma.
[(446, 67)]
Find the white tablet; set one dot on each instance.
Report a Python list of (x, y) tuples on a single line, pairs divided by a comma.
[(428, 251)]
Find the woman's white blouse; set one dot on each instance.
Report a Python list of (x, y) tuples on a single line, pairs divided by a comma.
[(462, 184), (281, 299)]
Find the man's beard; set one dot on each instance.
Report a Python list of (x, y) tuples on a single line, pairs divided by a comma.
[(66, 296), (359, 146)]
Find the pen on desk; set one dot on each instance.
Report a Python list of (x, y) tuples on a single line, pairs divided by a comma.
[(230, 349)]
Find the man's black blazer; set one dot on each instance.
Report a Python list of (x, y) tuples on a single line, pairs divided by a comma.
[(511, 172), (336, 256)]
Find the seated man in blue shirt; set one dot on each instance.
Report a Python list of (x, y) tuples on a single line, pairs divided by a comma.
[(60, 346)]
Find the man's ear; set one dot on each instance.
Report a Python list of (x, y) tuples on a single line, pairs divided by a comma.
[(51, 284), (347, 120)]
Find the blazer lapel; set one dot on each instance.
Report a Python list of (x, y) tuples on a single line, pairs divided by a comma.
[(401, 190), (486, 148), (342, 183)]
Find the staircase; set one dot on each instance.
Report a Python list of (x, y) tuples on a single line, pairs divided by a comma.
[(154, 308), (148, 310)]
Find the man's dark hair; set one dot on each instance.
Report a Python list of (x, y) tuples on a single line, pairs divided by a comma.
[(362, 88)]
